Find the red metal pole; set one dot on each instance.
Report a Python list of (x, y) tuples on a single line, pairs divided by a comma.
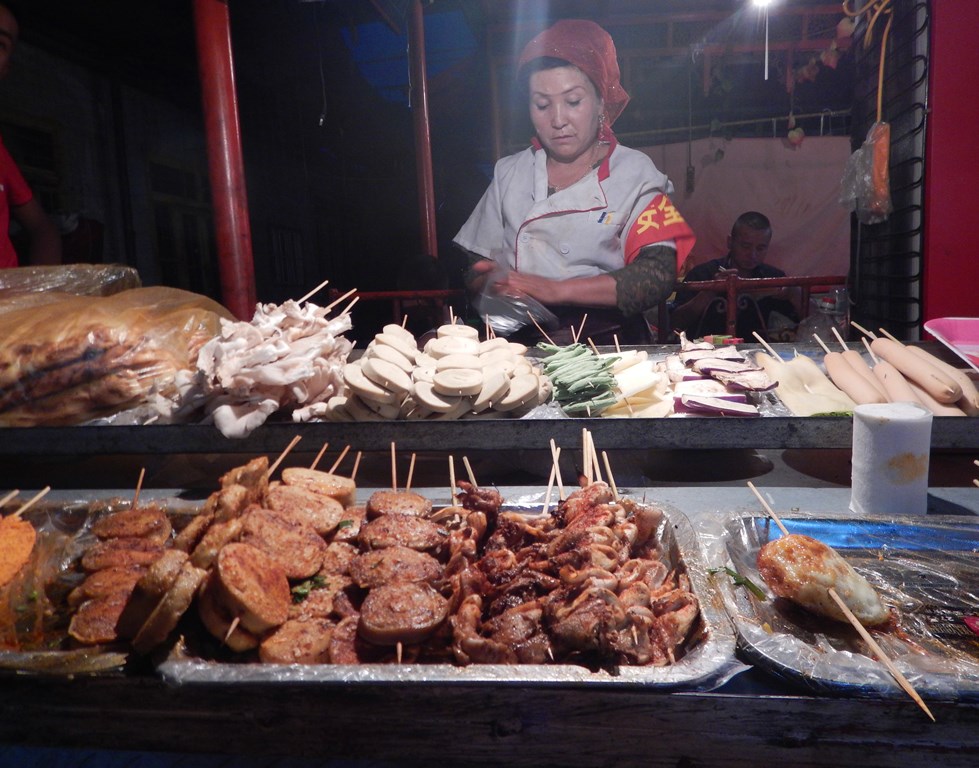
[(423, 143), (234, 240)]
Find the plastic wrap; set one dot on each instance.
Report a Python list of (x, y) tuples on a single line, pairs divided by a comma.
[(925, 571), (866, 179), (21, 287), (508, 314), (85, 357)]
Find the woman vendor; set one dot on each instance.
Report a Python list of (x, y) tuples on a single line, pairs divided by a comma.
[(576, 222)]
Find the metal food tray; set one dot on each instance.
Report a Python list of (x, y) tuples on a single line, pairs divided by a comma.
[(925, 569), (708, 662)]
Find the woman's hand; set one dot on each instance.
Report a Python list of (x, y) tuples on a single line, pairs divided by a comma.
[(519, 284)]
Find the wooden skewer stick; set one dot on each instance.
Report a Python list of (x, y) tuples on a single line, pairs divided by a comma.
[(278, 461), (404, 320), (839, 338), (399, 650), (12, 495), (313, 292), (975, 461), (452, 481), (537, 325), (346, 309), (576, 336), (469, 471), (585, 458), (139, 487), (895, 672), (863, 330), (615, 338), (975, 483), (336, 301), (339, 459), (768, 347), (452, 316), (36, 498), (891, 336), (353, 474), (555, 458), (550, 488), (819, 341), (411, 472), (870, 352), (319, 455), (768, 510), (231, 628), (394, 469), (608, 474)]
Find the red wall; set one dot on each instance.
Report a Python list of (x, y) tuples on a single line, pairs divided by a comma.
[(951, 223)]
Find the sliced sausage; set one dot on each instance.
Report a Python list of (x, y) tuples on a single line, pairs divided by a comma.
[(391, 564), (401, 530), (95, 620), (115, 553), (109, 581), (929, 377), (338, 556), (398, 503), (149, 523), (253, 587), (191, 534), (219, 622), (349, 527), (321, 602), (322, 513), (401, 613), (296, 547), (149, 591), (341, 488), (298, 641)]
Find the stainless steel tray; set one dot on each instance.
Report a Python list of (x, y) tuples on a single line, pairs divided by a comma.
[(709, 659), (926, 569)]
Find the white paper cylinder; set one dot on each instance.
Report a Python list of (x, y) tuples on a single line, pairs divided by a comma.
[(891, 444)]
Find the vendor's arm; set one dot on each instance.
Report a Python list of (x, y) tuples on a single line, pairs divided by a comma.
[(638, 286), (44, 238)]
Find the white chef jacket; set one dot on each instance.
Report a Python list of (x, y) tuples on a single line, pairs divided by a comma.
[(579, 231)]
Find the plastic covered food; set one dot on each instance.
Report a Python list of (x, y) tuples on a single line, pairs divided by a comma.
[(83, 357), (30, 286), (924, 570)]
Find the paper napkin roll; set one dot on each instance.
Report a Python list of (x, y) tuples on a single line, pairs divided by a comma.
[(891, 445)]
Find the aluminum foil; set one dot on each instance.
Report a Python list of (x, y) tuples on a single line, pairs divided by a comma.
[(925, 569), (709, 659)]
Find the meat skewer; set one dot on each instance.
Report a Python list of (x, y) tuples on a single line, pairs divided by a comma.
[(851, 617)]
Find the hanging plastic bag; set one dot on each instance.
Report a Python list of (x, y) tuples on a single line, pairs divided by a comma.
[(508, 314), (866, 186)]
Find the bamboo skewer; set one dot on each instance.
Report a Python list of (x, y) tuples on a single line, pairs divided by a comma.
[(394, 469), (768, 509), (550, 488), (768, 347), (319, 455), (336, 463), (863, 330), (839, 338), (31, 502), (469, 471), (895, 672), (819, 341), (593, 347), (336, 301), (891, 336), (12, 495), (555, 458), (608, 474), (576, 336), (353, 474), (537, 325), (313, 292), (139, 487), (452, 481), (231, 628), (615, 339), (870, 352), (411, 472), (278, 461)]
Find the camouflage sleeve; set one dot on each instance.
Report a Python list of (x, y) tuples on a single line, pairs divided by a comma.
[(647, 281)]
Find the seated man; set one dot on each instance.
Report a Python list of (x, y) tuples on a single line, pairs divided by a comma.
[(698, 313)]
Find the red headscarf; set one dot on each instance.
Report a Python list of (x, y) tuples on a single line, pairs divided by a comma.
[(590, 48)]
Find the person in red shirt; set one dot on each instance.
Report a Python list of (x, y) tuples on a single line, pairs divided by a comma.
[(16, 198)]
